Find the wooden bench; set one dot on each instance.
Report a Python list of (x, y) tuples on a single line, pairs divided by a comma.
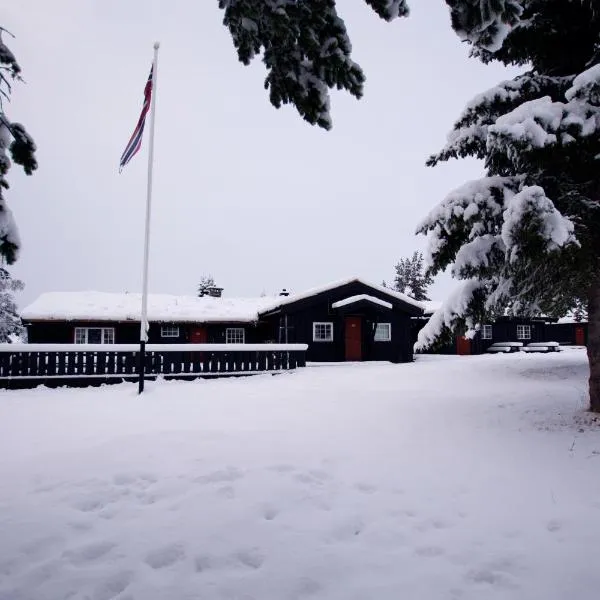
[(504, 347), (542, 347)]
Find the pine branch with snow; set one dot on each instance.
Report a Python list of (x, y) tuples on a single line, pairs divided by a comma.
[(307, 51), (15, 143)]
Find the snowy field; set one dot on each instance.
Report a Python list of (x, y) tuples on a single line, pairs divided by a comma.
[(450, 478)]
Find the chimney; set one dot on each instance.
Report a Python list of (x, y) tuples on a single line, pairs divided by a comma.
[(284, 292), (214, 292)]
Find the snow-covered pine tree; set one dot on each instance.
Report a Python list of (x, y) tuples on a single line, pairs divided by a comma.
[(526, 237), (306, 49), (16, 142), (412, 278), (10, 322), (206, 282)]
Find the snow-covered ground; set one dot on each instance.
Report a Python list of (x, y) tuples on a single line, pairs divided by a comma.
[(451, 478)]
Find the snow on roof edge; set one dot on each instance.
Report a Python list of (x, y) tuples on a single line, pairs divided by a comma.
[(359, 298)]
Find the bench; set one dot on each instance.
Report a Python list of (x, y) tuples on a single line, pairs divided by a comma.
[(504, 347), (542, 347)]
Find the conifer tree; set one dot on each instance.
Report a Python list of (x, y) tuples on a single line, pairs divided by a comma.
[(525, 238), (411, 277), (206, 282), (10, 322), (15, 143)]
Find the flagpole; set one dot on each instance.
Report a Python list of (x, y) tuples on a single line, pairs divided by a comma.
[(144, 315)]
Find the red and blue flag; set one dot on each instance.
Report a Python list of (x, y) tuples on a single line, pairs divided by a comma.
[(135, 141)]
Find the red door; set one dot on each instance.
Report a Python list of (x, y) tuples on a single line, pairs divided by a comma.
[(199, 335), (463, 345), (353, 338), (579, 336)]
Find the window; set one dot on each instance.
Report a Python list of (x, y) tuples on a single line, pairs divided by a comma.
[(169, 331), (94, 335), (383, 332), (486, 332), (322, 332), (523, 332), (235, 335)]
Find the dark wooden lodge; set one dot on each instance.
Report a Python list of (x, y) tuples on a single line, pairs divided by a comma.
[(349, 320), (510, 329)]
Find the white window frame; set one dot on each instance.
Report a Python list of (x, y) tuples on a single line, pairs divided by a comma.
[(385, 335), (487, 332), (81, 335), (169, 331), (328, 325), (233, 338), (523, 332)]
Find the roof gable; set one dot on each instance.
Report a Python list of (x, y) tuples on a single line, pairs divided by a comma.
[(361, 298), (360, 287)]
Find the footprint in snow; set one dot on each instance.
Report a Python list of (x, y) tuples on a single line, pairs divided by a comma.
[(139, 479), (41, 573), (269, 512), (221, 476), (89, 552), (429, 551), (347, 529), (306, 587), (165, 556), (283, 468), (366, 488), (113, 585), (314, 477), (227, 492), (554, 525), (251, 557)]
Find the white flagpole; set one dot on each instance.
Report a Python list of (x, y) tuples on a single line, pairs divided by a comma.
[(144, 315)]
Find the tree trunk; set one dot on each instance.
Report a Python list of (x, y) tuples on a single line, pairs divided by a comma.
[(593, 343)]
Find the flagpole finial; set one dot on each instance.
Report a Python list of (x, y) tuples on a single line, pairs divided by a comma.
[(156, 45)]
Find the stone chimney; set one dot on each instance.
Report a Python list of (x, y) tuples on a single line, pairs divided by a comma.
[(284, 292), (214, 292)]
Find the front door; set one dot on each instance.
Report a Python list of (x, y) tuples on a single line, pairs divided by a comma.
[(463, 345), (353, 336), (579, 336), (199, 335)]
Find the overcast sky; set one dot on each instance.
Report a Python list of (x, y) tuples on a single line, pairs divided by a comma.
[(253, 195)]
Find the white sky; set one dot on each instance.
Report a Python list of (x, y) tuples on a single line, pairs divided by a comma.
[(252, 195)]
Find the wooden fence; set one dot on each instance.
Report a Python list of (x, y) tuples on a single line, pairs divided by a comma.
[(27, 365)]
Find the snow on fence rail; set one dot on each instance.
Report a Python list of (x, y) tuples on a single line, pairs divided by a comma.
[(110, 361)]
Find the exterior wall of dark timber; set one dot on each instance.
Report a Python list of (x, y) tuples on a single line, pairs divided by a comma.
[(63, 332), (565, 333), (303, 313), (505, 330)]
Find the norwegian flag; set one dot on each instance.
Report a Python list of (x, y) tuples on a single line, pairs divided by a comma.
[(135, 141)]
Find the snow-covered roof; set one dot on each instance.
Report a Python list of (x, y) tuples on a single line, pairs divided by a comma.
[(570, 319), (104, 306), (163, 308), (283, 300), (359, 298)]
